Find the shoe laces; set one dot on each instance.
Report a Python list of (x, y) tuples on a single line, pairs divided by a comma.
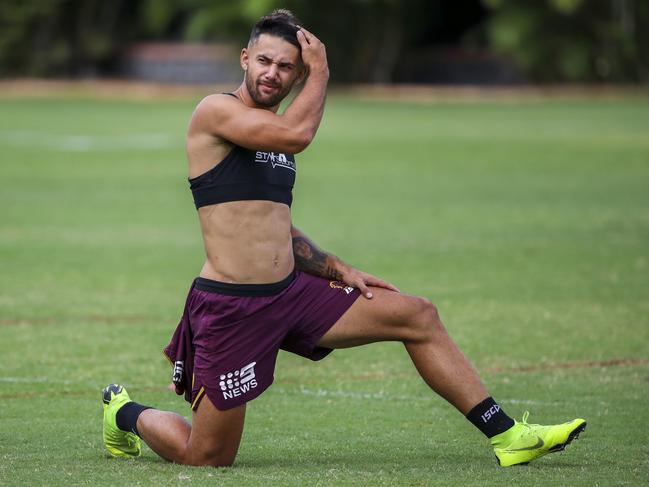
[(528, 427), (532, 427)]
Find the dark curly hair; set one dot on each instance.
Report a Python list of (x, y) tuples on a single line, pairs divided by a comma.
[(279, 23)]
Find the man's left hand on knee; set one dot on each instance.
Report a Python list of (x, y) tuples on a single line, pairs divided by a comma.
[(362, 280)]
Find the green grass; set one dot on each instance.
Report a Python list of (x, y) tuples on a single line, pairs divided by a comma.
[(527, 224)]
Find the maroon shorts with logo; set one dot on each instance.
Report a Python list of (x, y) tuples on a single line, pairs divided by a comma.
[(227, 341)]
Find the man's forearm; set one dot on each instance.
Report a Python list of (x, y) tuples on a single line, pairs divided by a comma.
[(305, 112), (311, 259), (307, 108)]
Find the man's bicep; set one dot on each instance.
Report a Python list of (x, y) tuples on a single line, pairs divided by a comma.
[(252, 128), (260, 129)]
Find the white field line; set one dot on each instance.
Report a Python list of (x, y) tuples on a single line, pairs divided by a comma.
[(87, 143), (36, 380), (373, 396), (384, 396)]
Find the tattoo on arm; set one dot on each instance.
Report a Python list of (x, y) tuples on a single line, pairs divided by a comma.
[(312, 260)]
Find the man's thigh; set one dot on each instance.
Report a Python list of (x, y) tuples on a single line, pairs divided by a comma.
[(387, 316), (215, 435)]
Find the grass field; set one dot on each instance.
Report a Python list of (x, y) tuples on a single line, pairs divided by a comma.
[(526, 223)]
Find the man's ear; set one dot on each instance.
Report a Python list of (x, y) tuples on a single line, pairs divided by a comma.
[(243, 59), (302, 75)]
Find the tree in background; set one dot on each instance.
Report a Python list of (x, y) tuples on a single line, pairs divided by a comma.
[(82, 37), (551, 40), (72, 37), (573, 40)]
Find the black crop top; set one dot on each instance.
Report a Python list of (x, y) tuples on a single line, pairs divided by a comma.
[(246, 174)]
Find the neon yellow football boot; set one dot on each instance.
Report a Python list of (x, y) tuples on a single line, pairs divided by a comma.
[(118, 443), (525, 442)]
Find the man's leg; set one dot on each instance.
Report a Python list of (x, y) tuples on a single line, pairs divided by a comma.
[(415, 322), (212, 439)]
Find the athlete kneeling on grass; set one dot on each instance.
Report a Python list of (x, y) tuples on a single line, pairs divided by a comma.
[(265, 286)]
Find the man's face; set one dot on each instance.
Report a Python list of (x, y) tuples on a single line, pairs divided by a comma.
[(272, 66)]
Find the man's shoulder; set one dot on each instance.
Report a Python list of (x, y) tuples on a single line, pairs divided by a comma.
[(213, 111), (218, 102)]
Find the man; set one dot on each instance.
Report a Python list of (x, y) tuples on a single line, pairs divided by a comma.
[(266, 286)]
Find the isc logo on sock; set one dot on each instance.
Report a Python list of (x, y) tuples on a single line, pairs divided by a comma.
[(490, 412), (233, 384)]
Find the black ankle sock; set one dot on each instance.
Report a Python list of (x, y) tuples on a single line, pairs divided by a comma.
[(127, 415), (489, 418)]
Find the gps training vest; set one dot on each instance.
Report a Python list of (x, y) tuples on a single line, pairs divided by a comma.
[(246, 174)]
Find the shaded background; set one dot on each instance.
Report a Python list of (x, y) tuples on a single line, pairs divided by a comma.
[(368, 41)]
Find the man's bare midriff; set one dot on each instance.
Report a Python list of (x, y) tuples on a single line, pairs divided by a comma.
[(247, 242)]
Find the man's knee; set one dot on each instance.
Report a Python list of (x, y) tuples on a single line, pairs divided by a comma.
[(427, 322), (214, 458), (215, 435)]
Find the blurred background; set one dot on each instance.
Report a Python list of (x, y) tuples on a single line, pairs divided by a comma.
[(478, 42), (491, 156)]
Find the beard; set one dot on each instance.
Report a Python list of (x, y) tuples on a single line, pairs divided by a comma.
[(265, 101)]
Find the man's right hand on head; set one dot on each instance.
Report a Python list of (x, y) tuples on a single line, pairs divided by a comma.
[(314, 54)]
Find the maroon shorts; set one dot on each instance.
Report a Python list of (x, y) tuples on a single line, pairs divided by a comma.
[(227, 341)]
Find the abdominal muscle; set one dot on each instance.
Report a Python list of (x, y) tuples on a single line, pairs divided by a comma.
[(247, 242)]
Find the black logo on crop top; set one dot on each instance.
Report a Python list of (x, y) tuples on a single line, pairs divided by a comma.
[(275, 160)]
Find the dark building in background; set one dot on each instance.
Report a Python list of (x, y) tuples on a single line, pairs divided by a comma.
[(181, 63)]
